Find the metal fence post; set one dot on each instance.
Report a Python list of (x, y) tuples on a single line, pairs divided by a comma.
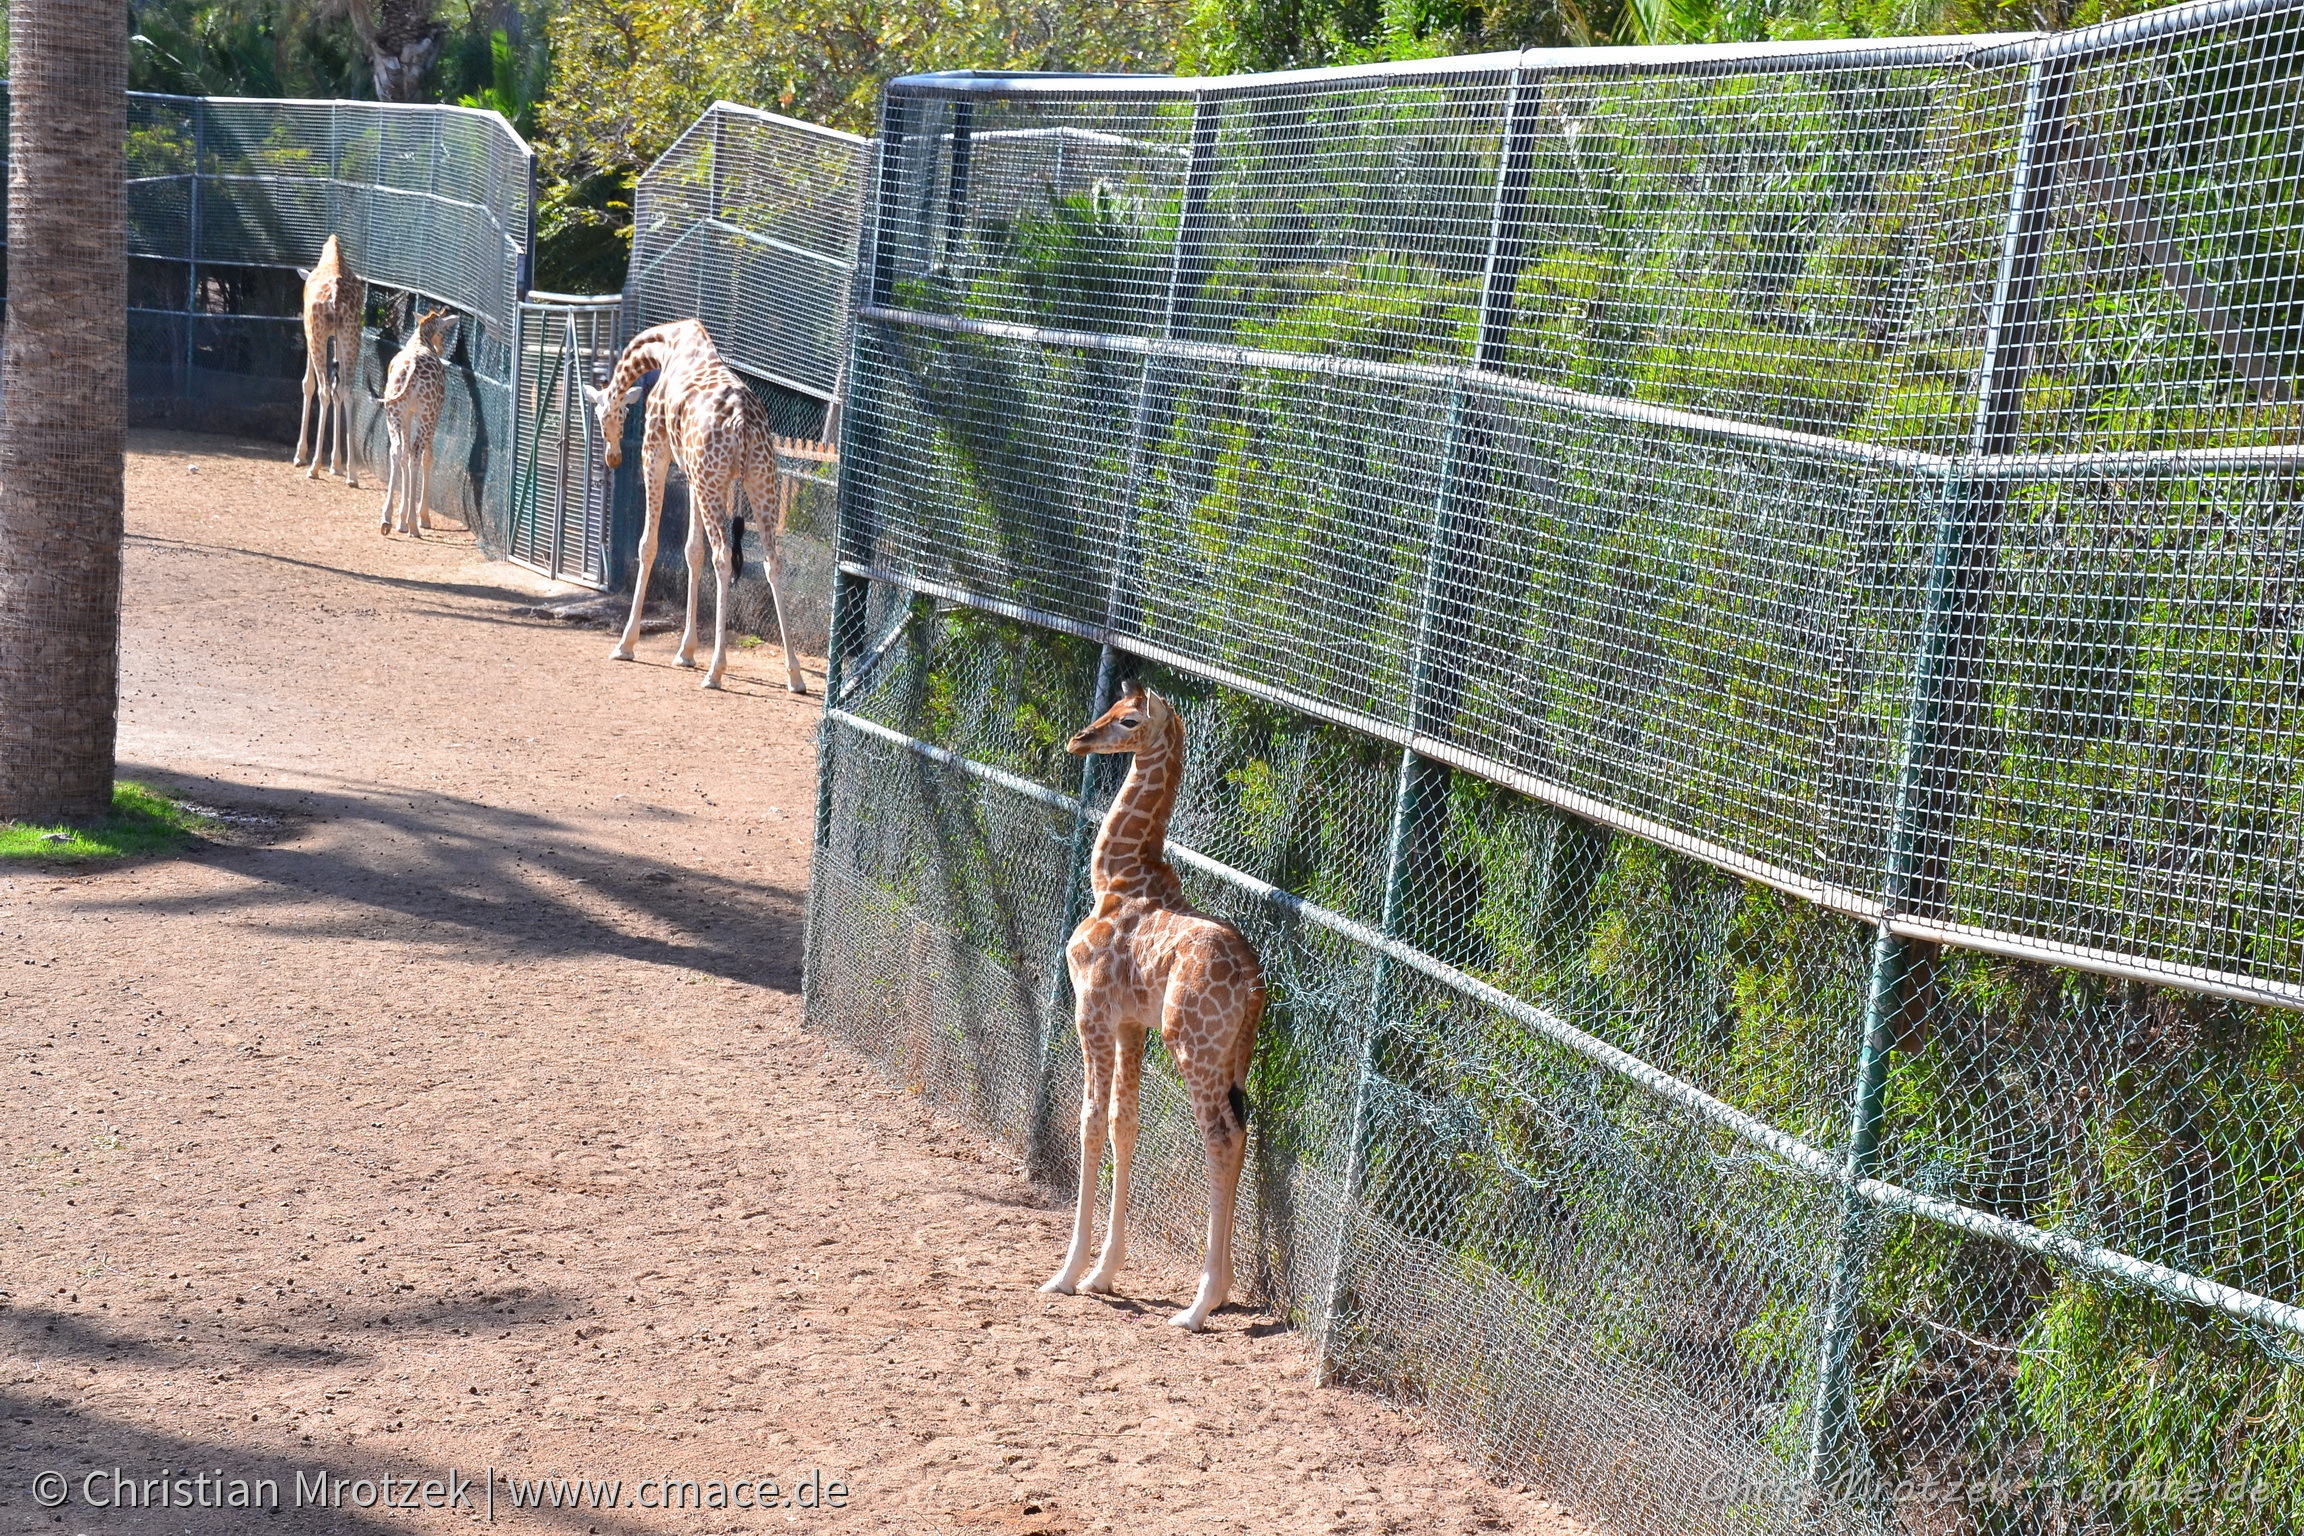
[(1430, 696), (956, 186), (1941, 713), (192, 245)]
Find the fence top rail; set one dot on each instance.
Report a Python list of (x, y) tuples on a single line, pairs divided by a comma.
[(1668, 59), (763, 115), (539, 298), (492, 116)]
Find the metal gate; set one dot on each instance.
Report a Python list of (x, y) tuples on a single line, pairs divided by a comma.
[(561, 494)]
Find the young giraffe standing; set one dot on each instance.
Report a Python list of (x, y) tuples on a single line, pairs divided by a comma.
[(334, 302), (414, 391), (702, 417), (1144, 957)]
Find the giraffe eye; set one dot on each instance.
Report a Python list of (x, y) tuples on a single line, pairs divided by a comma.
[(1131, 721)]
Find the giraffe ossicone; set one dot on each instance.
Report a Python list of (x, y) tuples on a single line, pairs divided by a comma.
[(335, 300), (414, 392), (701, 417), (1145, 959)]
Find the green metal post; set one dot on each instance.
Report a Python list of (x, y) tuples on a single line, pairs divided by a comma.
[(1430, 695)]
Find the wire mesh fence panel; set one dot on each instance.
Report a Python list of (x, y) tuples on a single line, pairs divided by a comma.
[(749, 223), (1731, 606), (228, 197)]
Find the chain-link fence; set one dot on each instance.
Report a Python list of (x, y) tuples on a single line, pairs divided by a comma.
[(228, 197), (1739, 611)]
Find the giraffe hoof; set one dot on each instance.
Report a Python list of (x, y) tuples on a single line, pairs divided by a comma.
[(799, 688), (1057, 1287), (684, 661), (712, 683), (1100, 1284), (1191, 1322), (621, 653)]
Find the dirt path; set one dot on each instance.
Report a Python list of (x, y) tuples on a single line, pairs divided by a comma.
[(457, 1115)]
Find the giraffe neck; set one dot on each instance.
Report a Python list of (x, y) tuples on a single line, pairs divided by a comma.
[(1131, 857)]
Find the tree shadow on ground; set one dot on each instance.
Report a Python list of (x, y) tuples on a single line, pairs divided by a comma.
[(47, 1434), (527, 885)]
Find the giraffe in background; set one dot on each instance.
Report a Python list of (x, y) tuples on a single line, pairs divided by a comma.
[(413, 393), (334, 302), (1142, 958), (701, 416)]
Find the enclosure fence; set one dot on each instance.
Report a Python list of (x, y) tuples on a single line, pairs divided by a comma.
[(227, 197), (1741, 615)]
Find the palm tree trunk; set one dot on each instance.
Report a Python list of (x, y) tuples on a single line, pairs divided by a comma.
[(63, 389)]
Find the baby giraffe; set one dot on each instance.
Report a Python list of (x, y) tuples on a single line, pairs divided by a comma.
[(1144, 957), (414, 391)]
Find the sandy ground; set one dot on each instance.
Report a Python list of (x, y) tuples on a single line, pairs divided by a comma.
[(453, 1113)]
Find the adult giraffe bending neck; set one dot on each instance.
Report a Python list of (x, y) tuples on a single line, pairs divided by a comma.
[(1145, 958), (702, 417)]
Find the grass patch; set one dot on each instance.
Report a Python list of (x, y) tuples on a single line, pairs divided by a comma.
[(142, 821)]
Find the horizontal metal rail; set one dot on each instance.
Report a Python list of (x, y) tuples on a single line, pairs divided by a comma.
[(1811, 1162), (2106, 463), (1432, 375), (1668, 59), (763, 115), (1834, 897)]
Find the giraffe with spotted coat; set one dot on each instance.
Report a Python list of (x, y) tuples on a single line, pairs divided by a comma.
[(701, 417), (1143, 959), (335, 300), (414, 392)]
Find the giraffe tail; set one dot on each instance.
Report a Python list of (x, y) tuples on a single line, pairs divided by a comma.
[(1237, 1097)]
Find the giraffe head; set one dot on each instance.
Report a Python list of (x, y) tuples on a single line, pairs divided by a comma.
[(436, 328), (1138, 719), (609, 406)]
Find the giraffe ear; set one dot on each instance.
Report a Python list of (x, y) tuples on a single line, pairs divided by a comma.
[(1131, 688)]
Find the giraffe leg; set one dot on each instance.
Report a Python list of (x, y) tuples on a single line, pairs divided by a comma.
[(350, 382), (1127, 1078), (701, 504), (754, 486), (723, 561), (420, 467), (1096, 1058), (1215, 997), (391, 473), (654, 466), (1227, 1145), (322, 420), (304, 423)]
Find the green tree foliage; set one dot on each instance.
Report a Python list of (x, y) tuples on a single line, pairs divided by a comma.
[(1229, 36), (629, 75)]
